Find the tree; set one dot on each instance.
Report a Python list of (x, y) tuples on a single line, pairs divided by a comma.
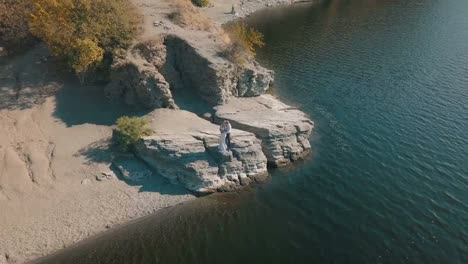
[(85, 53), (84, 32)]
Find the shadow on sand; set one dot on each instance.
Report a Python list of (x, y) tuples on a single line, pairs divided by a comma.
[(76, 105), (26, 80), (29, 79), (103, 151)]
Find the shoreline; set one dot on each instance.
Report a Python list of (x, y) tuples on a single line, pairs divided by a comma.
[(247, 9), (143, 226), (91, 158)]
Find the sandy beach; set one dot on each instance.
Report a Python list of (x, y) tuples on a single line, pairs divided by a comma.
[(57, 185), (54, 147)]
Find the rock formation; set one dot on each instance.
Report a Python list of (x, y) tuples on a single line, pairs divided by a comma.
[(184, 149), (139, 82), (185, 146), (214, 77), (152, 69), (284, 130)]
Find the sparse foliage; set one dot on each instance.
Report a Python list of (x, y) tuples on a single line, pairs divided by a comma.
[(244, 41), (84, 32), (14, 31), (130, 130)]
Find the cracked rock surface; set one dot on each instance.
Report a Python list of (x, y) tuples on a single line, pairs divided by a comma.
[(283, 129), (184, 149)]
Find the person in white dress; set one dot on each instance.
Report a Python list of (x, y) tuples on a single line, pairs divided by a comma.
[(222, 138)]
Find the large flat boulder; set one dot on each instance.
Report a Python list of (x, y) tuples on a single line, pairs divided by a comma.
[(284, 130), (184, 149)]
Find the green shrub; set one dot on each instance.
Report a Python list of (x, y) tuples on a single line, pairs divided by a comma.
[(201, 3), (84, 33), (129, 130)]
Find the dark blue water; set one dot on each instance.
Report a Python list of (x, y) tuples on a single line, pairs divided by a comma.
[(386, 83)]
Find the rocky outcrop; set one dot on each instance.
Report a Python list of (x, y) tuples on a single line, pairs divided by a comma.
[(152, 69), (214, 77), (284, 130), (139, 83), (184, 149), (253, 80)]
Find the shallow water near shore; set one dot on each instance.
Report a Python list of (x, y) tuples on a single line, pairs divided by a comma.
[(386, 83)]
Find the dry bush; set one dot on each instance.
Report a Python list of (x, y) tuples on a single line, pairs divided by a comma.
[(242, 42), (187, 16), (14, 30)]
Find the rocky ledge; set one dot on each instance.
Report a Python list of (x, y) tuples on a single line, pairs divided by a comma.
[(184, 149), (283, 130), (158, 71)]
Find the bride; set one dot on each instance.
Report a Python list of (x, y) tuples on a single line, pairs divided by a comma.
[(222, 138)]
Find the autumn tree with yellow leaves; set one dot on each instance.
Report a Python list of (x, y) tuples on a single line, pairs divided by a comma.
[(84, 33)]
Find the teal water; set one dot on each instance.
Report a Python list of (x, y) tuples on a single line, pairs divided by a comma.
[(386, 83)]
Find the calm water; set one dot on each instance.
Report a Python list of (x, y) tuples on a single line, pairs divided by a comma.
[(387, 85)]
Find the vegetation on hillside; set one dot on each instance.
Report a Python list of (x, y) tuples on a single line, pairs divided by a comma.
[(14, 31), (129, 130), (244, 41), (84, 33)]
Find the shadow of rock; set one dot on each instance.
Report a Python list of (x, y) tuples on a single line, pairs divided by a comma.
[(97, 152), (128, 168), (27, 80), (81, 104), (135, 172)]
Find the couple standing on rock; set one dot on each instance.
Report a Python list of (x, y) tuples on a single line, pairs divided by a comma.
[(225, 139)]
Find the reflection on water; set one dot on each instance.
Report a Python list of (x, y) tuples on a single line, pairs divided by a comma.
[(387, 84)]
